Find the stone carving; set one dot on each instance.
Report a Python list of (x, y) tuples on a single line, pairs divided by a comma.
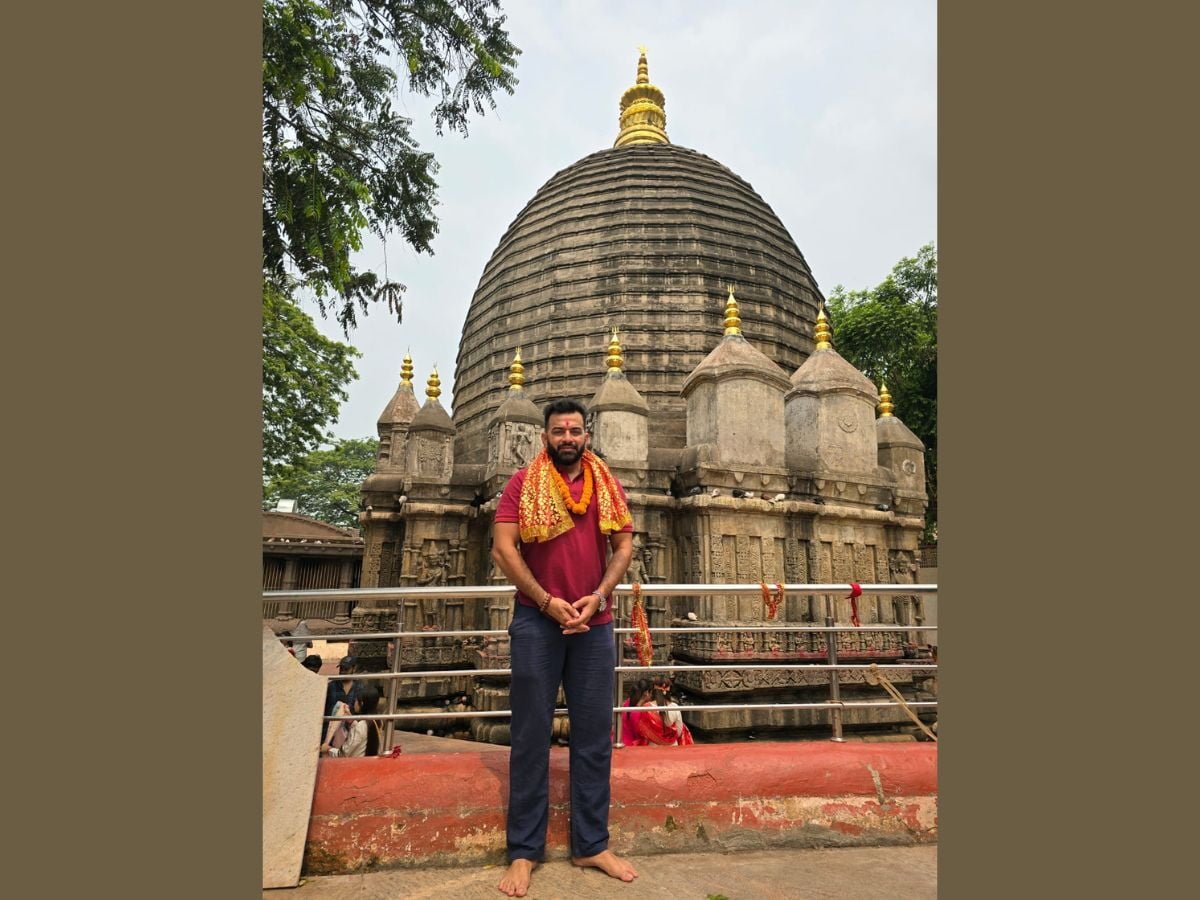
[(639, 565), (493, 445), (770, 571), (371, 560), (520, 445), (431, 455), (433, 569), (843, 563)]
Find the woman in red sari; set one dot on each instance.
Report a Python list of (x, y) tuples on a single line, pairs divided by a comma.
[(644, 725), (672, 718)]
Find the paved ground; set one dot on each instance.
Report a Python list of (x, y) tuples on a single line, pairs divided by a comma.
[(851, 873)]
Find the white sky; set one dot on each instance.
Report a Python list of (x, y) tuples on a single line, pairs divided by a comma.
[(828, 109)]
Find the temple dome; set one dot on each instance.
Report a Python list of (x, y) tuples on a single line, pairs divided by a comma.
[(647, 237)]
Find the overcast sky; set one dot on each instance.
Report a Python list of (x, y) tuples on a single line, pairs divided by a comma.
[(828, 109)]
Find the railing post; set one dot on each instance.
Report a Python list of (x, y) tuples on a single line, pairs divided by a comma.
[(389, 728), (619, 681), (834, 688)]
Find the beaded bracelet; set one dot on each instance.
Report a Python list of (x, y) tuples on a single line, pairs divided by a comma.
[(546, 602)]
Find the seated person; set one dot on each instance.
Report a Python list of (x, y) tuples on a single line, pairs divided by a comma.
[(354, 737), (644, 725)]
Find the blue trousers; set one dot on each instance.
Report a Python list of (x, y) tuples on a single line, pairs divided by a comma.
[(542, 657)]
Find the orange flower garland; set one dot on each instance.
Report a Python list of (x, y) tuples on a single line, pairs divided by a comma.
[(564, 489)]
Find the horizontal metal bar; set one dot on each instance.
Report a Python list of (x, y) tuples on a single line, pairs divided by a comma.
[(703, 629), (483, 592), (716, 707), (808, 667)]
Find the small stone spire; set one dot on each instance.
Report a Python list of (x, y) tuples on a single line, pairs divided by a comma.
[(614, 360), (733, 320), (406, 370), (823, 334), (433, 389), (885, 400), (643, 117), (516, 373)]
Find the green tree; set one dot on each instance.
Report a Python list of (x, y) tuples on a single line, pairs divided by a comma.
[(325, 483), (337, 158), (339, 161), (889, 333), (304, 381)]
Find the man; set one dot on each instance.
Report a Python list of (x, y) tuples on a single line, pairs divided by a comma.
[(554, 525)]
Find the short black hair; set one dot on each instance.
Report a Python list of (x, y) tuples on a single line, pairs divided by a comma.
[(560, 406)]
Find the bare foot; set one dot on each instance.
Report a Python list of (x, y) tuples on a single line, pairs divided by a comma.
[(516, 880), (609, 863)]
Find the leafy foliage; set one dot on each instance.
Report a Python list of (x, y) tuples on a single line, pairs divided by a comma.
[(889, 333), (337, 158), (326, 483), (304, 380)]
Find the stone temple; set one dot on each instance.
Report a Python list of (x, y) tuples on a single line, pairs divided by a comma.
[(655, 285)]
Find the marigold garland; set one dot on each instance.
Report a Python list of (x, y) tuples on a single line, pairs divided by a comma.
[(585, 499), (641, 641), (542, 513), (771, 605)]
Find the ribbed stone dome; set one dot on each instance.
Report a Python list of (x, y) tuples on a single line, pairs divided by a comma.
[(647, 237)]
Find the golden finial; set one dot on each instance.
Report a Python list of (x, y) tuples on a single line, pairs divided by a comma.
[(433, 389), (516, 373), (823, 334), (614, 359), (643, 115), (406, 370), (885, 400), (733, 321)]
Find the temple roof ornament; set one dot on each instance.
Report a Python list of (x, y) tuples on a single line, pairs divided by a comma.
[(516, 373), (823, 334), (406, 370), (643, 118), (885, 400), (433, 389), (733, 319), (614, 359)]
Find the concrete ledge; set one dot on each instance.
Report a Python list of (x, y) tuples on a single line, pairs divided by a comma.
[(448, 808)]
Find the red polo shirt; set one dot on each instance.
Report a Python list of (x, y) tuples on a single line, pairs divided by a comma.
[(571, 565)]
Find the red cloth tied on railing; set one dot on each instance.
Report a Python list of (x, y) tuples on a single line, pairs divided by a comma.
[(641, 640), (855, 593)]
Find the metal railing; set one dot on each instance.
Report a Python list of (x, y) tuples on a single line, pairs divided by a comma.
[(622, 594)]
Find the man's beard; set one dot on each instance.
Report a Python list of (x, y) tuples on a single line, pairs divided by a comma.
[(564, 456)]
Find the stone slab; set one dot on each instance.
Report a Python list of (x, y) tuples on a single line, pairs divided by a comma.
[(293, 702)]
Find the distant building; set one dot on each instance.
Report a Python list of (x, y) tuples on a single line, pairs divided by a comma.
[(301, 553)]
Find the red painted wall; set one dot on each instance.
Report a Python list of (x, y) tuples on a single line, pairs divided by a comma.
[(448, 808)]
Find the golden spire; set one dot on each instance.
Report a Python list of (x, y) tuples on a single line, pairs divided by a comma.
[(433, 389), (885, 400), (516, 373), (614, 359), (643, 117), (406, 370), (823, 334), (733, 321)]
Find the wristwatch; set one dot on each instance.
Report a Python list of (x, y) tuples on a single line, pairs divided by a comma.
[(603, 602)]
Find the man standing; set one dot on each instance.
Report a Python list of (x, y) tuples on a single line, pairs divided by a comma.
[(553, 527)]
